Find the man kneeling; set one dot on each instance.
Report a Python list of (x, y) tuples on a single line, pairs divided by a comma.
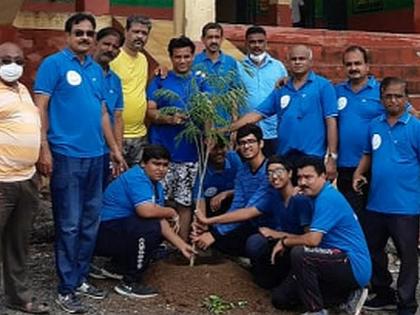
[(134, 221)]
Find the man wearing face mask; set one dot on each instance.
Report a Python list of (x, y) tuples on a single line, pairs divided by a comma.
[(259, 73), (20, 139)]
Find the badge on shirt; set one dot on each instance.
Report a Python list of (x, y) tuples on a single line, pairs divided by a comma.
[(73, 78), (376, 141), (341, 103), (210, 192), (284, 101)]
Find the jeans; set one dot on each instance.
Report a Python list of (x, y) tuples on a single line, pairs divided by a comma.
[(76, 193)]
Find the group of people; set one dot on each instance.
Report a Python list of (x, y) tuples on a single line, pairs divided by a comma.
[(122, 182)]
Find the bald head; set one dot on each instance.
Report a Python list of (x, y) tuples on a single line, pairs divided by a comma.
[(300, 49), (299, 60), (11, 62)]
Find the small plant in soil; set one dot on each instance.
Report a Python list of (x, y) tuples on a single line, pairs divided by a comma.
[(216, 305)]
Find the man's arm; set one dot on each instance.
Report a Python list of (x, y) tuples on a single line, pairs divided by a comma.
[(179, 243), (250, 118), (332, 142), (358, 178), (118, 129), (153, 115), (150, 210), (44, 164), (239, 215)]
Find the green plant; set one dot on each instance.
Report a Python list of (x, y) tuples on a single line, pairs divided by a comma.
[(216, 305)]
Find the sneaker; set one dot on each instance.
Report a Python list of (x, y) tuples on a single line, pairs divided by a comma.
[(135, 290), (321, 312), (381, 303), (70, 303), (110, 273), (355, 302), (96, 272), (91, 291)]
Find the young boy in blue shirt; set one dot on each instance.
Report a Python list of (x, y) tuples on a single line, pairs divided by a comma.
[(135, 221)]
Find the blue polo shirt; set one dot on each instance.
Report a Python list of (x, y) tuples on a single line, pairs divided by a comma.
[(355, 111), (260, 82), (290, 218), (249, 188), (395, 153), (184, 86), (75, 109), (335, 219), (301, 115), (113, 96), (129, 190), (217, 181), (214, 72)]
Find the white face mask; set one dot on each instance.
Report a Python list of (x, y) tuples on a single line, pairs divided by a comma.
[(258, 58), (11, 72)]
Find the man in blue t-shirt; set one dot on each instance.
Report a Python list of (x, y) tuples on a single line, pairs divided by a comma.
[(220, 69), (306, 109), (69, 92), (259, 72), (358, 104), (134, 221), (218, 183), (392, 155), (182, 84), (250, 185), (108, 43), (329, 262)]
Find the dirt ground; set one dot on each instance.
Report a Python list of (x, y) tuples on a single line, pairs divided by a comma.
[(183, 289)]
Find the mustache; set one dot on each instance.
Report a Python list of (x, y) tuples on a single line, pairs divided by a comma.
[(354, 71), (84, 41)]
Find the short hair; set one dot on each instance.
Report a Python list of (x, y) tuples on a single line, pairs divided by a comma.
[(279, 159), (138, 19), (315, 162), (255, 29), (247, 130), (106, 31), (155, 151), (359, 49), (391, 81), (310, 53), (77, 18), (180, 42), (211, 26)]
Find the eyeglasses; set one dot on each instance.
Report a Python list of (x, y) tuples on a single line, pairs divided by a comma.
[(276, 172), (389, 97), (80, 33), (7, 61), (243, 143)]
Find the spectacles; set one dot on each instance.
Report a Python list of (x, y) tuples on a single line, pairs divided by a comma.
[(80, 33), (7, 61), (243, 143), (276, 172), (391, 96)]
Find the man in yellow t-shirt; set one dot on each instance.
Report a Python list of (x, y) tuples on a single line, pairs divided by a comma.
[(132, 68)]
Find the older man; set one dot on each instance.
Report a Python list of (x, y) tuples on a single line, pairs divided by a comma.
[(20, 137)]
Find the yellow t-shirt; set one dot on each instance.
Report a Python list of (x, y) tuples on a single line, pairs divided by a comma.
[(133, 74)]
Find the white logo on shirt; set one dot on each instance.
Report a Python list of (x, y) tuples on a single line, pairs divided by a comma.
[(376, 141), (341, 103), (73, 78), (210, 192), (284, 101)]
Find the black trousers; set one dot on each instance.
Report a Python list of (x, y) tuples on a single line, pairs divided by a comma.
[(129, 242), (345, 186), (404, 232), (318, 277), (234, 242), (270, 147)]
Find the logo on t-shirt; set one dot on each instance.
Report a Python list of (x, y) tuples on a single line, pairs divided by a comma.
[(284, 101), (341, 103), (73, 78), (376, 141), (210, 192)]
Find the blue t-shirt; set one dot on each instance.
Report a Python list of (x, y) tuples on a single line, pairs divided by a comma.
[(76, 94), (355, 112), (395, 152), (184, 86), (220, 75), (301, 115), (335, 219), (259, 82), (249, 188), (113, 96), (129, 190), (290, 218), (217, 181)]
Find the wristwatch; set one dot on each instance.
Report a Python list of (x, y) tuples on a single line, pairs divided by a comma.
[(332, 155)]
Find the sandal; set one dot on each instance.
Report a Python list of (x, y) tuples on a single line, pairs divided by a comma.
[(32, 307)]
